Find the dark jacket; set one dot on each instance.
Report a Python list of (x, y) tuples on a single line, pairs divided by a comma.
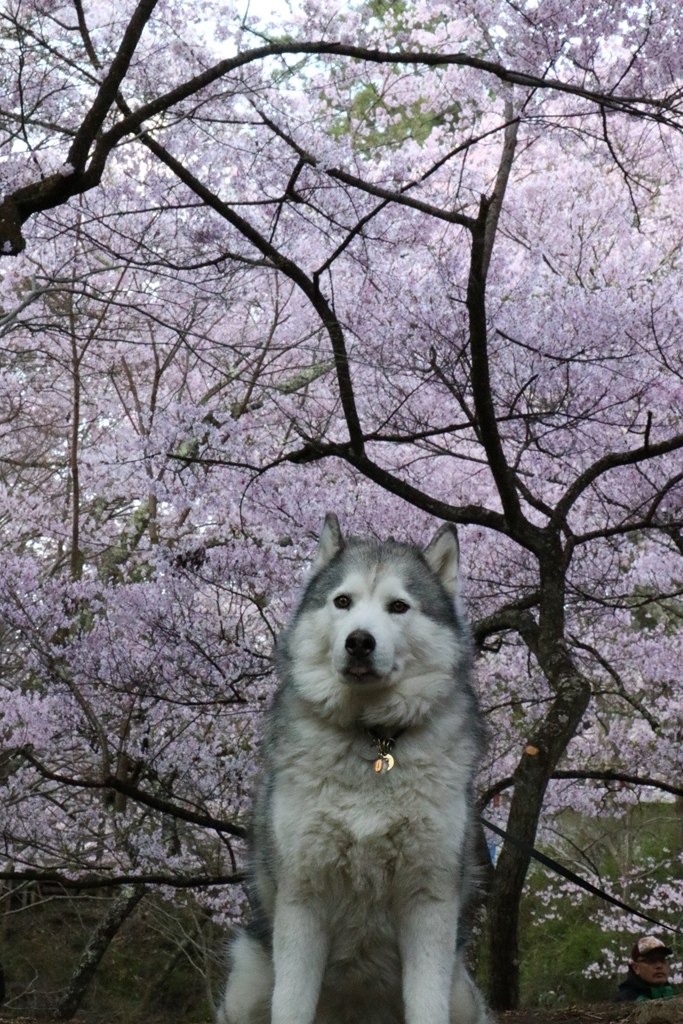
[(635, 990)]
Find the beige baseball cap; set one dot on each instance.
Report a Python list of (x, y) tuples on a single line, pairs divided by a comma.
[(649, 944)]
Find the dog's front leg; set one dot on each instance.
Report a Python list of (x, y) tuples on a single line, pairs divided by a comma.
[(427, 936), (300, 945)]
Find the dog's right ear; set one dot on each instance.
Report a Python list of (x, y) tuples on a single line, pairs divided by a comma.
[(330, 542)]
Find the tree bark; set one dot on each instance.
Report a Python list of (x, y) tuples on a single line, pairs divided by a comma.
[(531, 779), (543, 750)]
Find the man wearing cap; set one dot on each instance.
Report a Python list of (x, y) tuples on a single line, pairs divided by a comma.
[(648, 972)]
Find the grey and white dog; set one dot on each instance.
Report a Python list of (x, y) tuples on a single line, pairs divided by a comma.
[(363, 838)]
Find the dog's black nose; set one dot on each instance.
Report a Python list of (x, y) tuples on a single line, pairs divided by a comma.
[(360, 643)]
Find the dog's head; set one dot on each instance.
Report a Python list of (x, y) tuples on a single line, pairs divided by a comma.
[(377, 619)]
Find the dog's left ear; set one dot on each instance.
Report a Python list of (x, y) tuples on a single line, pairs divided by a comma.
[(443, 557), (330, 542)]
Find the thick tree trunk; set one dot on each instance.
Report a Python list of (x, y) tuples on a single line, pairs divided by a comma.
[(122, 906), (544, 749)]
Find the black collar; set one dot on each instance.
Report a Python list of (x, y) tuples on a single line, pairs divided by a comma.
[(386, 735)]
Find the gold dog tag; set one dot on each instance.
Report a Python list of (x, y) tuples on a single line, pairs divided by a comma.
[(384, 762)]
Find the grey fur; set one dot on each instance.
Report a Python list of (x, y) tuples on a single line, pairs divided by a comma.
[(359, 877)]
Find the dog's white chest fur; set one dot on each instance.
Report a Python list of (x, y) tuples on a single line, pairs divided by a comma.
[(331, 829)]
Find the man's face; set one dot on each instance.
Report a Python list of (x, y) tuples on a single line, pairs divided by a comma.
[(652, 968)]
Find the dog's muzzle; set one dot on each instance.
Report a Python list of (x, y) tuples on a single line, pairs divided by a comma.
[(360, 646)]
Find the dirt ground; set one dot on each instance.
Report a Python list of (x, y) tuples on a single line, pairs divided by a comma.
[(660, 1011), (603, 1013), (8, 1018), (597, 1014), (600, 1013)]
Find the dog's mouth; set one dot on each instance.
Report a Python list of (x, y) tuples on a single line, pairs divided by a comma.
[(361, 671)]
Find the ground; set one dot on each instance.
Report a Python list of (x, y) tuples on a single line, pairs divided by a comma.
[(603, 1013), (600, 1013)]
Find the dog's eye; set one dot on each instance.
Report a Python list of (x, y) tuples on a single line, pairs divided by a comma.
[(398, 607), (342, 601)]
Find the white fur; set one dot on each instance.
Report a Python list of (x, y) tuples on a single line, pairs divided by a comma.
[(362, 874), (413, 658), (250, 986)]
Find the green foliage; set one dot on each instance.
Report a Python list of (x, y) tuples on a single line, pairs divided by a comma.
[(399, 16), (381, 8), (114, 562), (563, 932), (651, 611), (371, 113), (555, 953), (375, 122)]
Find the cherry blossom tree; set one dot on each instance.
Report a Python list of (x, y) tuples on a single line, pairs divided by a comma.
[(390, 260)]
